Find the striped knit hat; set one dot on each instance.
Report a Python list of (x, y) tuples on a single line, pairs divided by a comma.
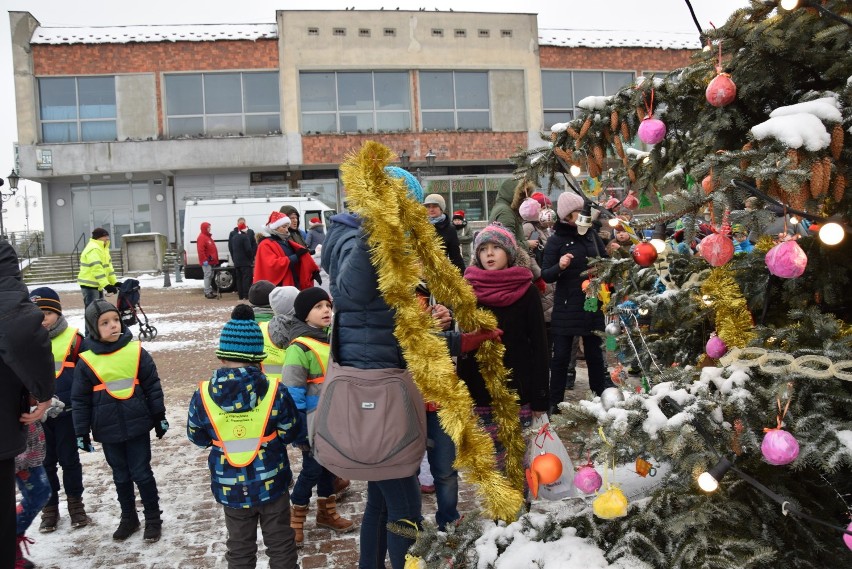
[(241, 339), (496, 233), (46, 299)]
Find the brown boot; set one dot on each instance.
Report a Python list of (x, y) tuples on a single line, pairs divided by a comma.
[(327, 516), (77, 511), (49, 519), (298, 515), (340, 486)]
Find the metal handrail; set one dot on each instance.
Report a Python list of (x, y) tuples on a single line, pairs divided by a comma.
[(75, 256), (32, 240)]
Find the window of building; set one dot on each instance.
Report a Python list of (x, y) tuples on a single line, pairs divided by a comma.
[(562, 90), (77, 109), (222, 103), (355, 101), (455, 100)]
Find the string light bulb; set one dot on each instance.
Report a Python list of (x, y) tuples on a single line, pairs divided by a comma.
[(613, 221), (794, 220), (789, 4), (575, 170), (709, 481), (831, 233), (659, 245)]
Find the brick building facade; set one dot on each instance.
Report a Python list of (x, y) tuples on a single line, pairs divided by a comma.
[(121, 125)]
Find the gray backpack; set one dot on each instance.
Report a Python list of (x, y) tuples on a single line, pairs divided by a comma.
[(369, 424)]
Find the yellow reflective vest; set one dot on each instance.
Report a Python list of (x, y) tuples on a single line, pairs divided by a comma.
[(273, 365), (240, 435), (96, 265), (321, 353), (118, 372), (61, 346)]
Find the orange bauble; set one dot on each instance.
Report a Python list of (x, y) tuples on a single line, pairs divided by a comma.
[(707, 183), (548, 467), (585, 284)]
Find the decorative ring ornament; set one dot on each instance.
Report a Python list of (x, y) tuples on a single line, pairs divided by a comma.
[(784, 367), (807, 371), (782, 362)]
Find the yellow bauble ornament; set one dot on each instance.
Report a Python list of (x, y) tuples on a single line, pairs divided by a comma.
[(611, 504)]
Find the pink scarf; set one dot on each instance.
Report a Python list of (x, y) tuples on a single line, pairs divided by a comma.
[(499, 288)]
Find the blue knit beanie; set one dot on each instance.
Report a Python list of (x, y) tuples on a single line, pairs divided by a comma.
[(415, 190), (46, 299), (241, 339)]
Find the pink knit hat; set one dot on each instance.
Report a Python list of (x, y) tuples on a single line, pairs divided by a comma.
[(529, 210), (568, 201), (497, 234)]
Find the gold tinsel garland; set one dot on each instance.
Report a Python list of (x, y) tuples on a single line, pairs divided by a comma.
[(402, 245), (734, 322)]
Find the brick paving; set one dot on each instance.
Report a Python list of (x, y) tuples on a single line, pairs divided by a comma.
[(193, 529)]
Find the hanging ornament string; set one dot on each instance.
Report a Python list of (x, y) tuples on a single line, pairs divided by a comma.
[(644, 343), (719, 59), (610, 458), (782, 412), (649, 107)]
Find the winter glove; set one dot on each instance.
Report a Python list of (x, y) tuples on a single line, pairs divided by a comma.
[(160, 425), (85, 443), (111, 289), (540, 285), (316, 276), (470, 341), (55, 409), (300, 252), (294, 259)]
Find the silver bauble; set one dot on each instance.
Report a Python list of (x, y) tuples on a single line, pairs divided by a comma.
[(613, 329), (610, 397)]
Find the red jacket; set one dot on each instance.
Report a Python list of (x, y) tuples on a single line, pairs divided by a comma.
[(273, 265), (206, 247)]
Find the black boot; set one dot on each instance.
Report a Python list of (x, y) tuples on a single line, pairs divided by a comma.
[(570, 378), (153, 526), (128, 525)]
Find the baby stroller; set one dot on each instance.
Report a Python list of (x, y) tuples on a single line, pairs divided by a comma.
[(131, 311)]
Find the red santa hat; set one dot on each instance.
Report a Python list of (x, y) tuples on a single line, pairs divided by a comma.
[(276, 220)]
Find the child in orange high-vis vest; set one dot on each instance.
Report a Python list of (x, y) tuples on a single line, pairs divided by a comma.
[(247, 420)]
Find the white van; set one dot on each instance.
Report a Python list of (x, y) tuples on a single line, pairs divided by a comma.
[(222, 214)]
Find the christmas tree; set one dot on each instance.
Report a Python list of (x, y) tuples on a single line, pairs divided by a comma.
[(744, 362)]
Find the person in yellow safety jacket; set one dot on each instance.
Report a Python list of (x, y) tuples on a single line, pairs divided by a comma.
[(247, 421), (96, 273), (305, 364), (117, 395), (273, 364), (59, 436)]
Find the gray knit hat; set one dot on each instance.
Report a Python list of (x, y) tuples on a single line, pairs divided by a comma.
[(93, 313)]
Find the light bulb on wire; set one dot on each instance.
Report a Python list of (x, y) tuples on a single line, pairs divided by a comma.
[(831, 233), (794, 220), (707, 483), (613, 221), (575, 170), (659, 245), (789, 4)]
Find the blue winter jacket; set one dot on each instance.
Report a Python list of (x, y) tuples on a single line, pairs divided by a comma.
[(365, 323), (114, 420), (268, 476)]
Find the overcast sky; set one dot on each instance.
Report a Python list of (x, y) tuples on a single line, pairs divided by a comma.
[(662, 15)]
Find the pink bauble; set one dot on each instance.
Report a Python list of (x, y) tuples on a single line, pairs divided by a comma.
[(717, 249), (630, 202), (611, 203), (652, 131), (786, 260), (529, 210), (779, 447), (716, 347), (847, 539), (588, 480), (721, 91)]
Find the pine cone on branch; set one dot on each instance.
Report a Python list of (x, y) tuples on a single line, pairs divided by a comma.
[(836, 145)]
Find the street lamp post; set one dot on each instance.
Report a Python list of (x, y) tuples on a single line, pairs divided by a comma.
[(405, 160), (430, 160), (4, 197)]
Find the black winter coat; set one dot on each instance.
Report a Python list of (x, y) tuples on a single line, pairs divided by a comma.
[(26, 361), (526, 354), (568, 317), (242, 247), (450, 237), (114, 420)]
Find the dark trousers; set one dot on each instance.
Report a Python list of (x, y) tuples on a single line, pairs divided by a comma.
[(61, 450), (8, 544), (396, 500), (561, 360), (131, 463), (312, 474), (89, 296), (243, 276), (278, 537)]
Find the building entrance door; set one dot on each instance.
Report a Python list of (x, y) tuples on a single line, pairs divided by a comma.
[(114, 220)]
